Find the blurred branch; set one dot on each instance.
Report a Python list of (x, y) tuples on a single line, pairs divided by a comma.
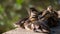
[(7, 12)]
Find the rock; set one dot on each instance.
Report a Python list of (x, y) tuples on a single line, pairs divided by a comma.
[(21, 31)]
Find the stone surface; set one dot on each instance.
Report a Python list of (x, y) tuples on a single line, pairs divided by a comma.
[(21, 31)]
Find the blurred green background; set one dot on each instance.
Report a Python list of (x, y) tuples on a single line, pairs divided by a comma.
[(12, 11)]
